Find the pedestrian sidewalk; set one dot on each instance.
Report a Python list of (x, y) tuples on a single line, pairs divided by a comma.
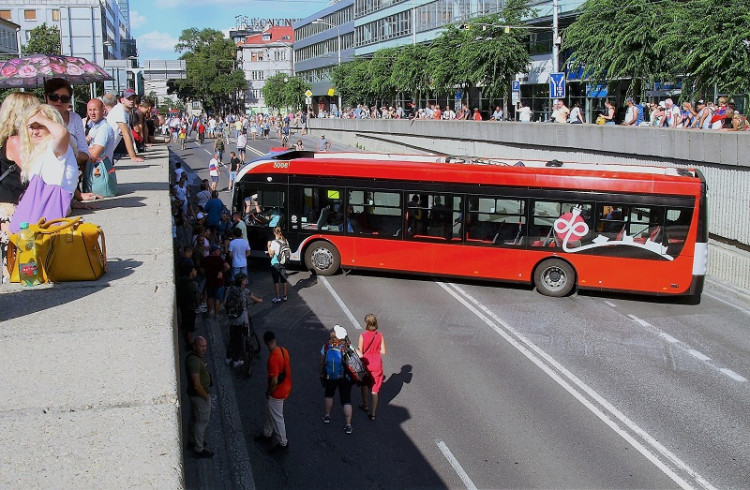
[(89, 388)]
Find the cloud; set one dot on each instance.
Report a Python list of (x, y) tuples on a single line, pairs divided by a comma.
[(137, 20), (157, 41)]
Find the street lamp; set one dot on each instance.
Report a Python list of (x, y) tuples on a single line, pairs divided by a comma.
[(338, 46)]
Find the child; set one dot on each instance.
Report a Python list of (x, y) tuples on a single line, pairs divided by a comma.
[(235, 306)]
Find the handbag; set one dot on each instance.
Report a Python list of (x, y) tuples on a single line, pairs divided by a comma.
[(100, 178), (41, 201), (68, 250)]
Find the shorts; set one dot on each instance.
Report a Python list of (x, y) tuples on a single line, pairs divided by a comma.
[(215, 178), (278, 273), (232, 176), (345, 389), (240, 150), (215, 293)]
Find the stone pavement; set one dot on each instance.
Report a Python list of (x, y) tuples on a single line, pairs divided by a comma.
[(89, 387)]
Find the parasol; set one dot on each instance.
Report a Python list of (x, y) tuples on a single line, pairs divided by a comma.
[(31, 71)]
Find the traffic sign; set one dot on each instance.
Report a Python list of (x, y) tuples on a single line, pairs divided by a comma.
[(556, 85), (515, 97), (308, 100), (308, 93), (516, 86)]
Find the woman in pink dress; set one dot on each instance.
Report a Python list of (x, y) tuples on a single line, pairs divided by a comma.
[(371, 347)]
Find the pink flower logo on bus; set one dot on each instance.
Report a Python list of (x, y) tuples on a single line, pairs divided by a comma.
[(571, 228)]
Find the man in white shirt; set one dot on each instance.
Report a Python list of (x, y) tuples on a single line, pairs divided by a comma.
[(524, 113), (119, 119), (214, 172), (101, 138), (239, 251)]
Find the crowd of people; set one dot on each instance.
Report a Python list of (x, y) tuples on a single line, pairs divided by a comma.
[(47, 145)]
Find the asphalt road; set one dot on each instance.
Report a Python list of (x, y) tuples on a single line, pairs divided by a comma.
[(500, 387)]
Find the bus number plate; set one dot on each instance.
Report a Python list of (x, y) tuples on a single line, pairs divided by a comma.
[(280, 164)]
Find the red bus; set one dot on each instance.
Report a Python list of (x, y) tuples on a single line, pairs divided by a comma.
[(556, 225)]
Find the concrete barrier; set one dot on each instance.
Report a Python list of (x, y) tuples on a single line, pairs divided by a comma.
[(89, 385), (723, 157)]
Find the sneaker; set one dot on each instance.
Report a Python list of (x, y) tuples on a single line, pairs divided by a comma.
[(204, 454), (348, 429), (238, 363), (204, 308), (198, 310), (326, 419), (262, 438), (276, 300), (284, 298)]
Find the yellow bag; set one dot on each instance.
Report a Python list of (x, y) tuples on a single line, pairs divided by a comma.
[(600, 120), (67, 248)]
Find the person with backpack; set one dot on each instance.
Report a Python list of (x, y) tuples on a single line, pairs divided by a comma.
[(371, 347), (236, 301), (333, 376), (280, 253)]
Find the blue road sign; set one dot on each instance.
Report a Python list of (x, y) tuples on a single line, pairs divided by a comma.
[(516, 86), (556, 85)]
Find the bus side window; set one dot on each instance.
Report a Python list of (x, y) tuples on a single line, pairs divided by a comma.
[(676, 227), (441, 217), (494, 221), (612, 220)]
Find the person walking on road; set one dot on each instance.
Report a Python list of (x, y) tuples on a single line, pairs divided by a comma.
[(219, 148), (234, 167), (279, 388), (278, 270), (199, 389), (214, 172), (371, 347), (334, 377), (241, 144), (323, 144)]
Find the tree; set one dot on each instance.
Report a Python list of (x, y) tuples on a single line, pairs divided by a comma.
[(718, 54), (409, 74), (43, 39), (283, 91), (380, 74), (211, 76), (617, 40), (352, 80)]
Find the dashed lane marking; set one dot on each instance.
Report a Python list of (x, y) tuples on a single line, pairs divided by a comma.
[(689, 350), (455, 464), (593, 401)]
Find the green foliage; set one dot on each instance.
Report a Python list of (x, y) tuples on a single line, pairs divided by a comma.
[(210, 68), (283, 91), (704, 42), (483, 55), (43, 39), (715, 41)]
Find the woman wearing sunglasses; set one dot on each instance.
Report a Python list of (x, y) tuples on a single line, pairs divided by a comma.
[(59, 93)]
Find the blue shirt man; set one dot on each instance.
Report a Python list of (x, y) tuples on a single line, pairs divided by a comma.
[(213, 208)]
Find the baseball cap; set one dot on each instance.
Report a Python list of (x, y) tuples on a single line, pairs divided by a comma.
[(214, 248), (701, 101), (663, 104), (629, 99), (339, 331), (128, 93), (200, 215)]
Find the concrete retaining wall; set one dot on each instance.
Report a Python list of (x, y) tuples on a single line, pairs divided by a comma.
[(723, 157)]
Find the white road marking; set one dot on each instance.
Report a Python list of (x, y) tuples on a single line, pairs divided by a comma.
[(341, 303), (689, 350), (257, 152), (720, 300), (557, 371), (455, 464), (733, 375), (610, 304)]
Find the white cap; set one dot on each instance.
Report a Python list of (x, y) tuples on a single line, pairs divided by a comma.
[(339, 331), (199, 215)]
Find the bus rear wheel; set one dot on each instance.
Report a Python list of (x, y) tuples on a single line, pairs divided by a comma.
[(554, 277), (323, 258)]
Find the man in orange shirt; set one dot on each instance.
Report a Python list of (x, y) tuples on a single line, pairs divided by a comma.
[(279, 387)]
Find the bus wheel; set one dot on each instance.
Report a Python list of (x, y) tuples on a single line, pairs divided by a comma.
[(323, 258), (554, 277)]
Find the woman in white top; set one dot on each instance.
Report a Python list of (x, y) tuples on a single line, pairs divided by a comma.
[(46, 150)]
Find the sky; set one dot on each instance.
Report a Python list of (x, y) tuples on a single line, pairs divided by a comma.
[(158, 24)]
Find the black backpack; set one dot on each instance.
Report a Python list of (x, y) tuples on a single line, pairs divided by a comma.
[(233, 303)]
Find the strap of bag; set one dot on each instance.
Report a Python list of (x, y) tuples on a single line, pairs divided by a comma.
[(9, 170), (370, 344), (49, 227)]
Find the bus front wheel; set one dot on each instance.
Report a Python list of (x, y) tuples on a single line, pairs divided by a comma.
[(323, 258), (554, 277)]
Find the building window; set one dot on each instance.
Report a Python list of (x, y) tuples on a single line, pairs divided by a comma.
[(56, 15), (29, 14), (5, 14)]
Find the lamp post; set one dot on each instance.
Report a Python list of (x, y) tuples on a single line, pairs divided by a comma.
[(338, 49)]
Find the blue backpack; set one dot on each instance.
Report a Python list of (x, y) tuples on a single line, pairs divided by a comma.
[(334, 367), (100, 178), (641, 114)]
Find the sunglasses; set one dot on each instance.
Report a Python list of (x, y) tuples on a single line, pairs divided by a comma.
[(59, 98)]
